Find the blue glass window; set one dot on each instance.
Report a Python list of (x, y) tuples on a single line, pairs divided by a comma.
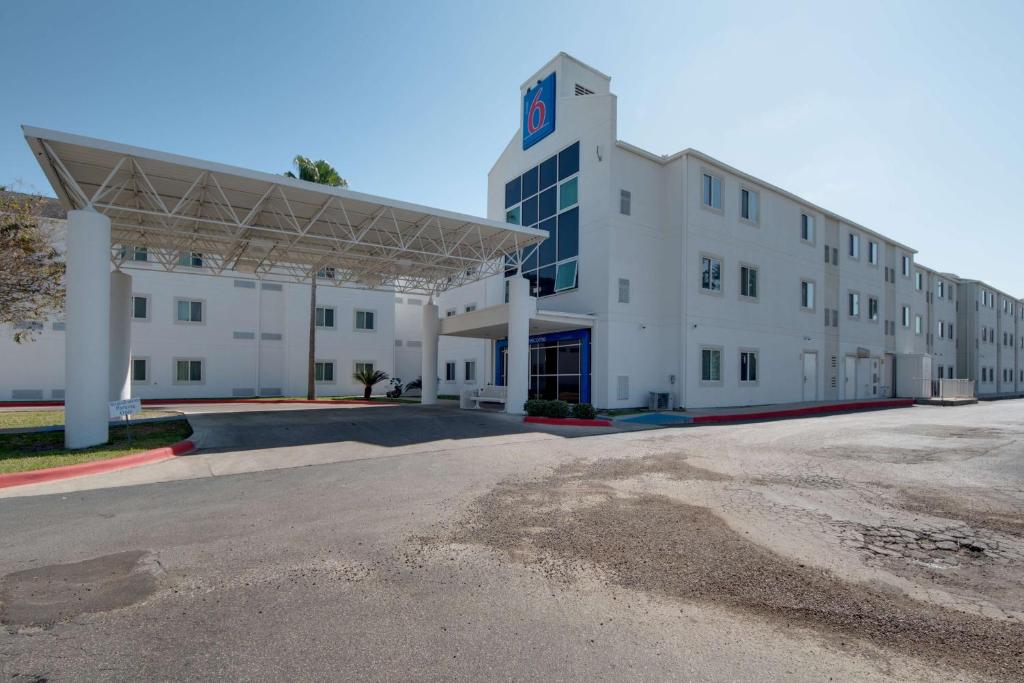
[(569, 161), (568, 234), (547, 247), (565, 277), (530, 257), (512, 215), (513, 191), (546, 281), (549, 172), (530, 211), (530, 182), (548, 203)]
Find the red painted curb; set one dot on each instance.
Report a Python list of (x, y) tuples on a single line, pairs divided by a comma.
[(95, 467), (798, 412), (570, 421), (172, 401)]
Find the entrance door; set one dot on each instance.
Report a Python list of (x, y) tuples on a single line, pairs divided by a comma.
[(850, 378), (810, 389)]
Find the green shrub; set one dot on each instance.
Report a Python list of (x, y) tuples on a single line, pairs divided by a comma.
[(556, 409), (535, 407), (584, 411)]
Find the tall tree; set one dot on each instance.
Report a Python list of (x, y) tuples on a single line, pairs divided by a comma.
[(323, 173), (32, 277)]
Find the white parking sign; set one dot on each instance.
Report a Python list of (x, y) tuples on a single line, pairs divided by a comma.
[(125, 408)]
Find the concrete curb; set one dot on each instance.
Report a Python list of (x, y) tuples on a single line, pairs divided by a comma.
[(802, 412), (568, 421), (97, 466)]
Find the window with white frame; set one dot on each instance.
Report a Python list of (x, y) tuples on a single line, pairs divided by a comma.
[(327, 273), (469, 370), (806, 294), (363, 367), (325, 317), (748, 281), (853, 304), (749, 209), (140, 370), (748, 366), (712, 191), (449, 371), (807, 228), (190, 259), (711, 274), (872, 308), (906, 265), (625, 202), (140, 307), (188, 310), (854, 245), (470, 308), (942, 329), (918, 324), (188, 371), (450, 312), (324, 371), (906, 316), (140, 254), (623, 290), (873, 252), (918, 280), (711, 365), (365, 320)]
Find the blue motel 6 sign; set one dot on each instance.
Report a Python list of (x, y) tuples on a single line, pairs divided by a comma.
[(539, 111)]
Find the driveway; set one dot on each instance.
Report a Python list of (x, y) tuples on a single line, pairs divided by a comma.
[(869, 547)]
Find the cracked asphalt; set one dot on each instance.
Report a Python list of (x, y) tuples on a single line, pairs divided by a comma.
[(872, 547)]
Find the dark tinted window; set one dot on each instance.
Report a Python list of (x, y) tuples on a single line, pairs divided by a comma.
[(546, 280), (568, 161), (568, 234), (530, 257), (549, 172), (513, 191), (548, 203), (530, 211), (547, 247), (530, 182)]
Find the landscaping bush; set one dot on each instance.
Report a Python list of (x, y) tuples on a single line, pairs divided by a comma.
[(584, 411), (535, 407), (556, 409)]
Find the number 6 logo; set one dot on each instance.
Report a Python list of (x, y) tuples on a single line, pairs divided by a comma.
[(537, 112)]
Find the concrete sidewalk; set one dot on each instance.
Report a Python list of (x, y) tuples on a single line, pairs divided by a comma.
[(763, 412)]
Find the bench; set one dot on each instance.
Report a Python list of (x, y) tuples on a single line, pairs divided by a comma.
[(472, 398)]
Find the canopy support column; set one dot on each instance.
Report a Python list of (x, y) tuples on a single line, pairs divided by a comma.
[(521, 306), (120, 336), (87, 338), (431, 325)]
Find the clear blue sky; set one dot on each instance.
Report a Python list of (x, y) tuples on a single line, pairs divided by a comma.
[(905, 117)]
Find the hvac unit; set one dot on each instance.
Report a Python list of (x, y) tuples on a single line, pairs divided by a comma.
[(660, 400)]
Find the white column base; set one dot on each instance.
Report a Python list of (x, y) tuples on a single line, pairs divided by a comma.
[(87, 336), (431, 325)]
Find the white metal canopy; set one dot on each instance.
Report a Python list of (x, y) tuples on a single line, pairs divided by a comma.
[(248, 221)]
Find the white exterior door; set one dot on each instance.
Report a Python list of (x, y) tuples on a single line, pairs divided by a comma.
[(850, 378), (810, 392)]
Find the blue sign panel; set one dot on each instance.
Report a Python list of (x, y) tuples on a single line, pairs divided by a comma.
[(539, 112)]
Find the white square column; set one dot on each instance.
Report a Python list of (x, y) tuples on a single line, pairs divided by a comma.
[(428, 378), (521, 307), (120, 336), (87, 332)]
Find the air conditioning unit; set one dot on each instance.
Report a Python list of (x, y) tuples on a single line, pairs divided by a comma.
[(660, 400)]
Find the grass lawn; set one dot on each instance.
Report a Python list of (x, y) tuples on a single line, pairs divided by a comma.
[(24, 452), (10, 419)]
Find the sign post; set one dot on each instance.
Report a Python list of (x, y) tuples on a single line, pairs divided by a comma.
[(125, 408)]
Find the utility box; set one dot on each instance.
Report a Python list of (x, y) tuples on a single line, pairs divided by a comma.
[(914, 375), (660, 400)]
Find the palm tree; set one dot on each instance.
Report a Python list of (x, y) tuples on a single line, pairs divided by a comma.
[(323, 173), (368, 377)]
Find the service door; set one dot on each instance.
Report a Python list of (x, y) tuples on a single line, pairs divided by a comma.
[(850, 378), (810, 392)]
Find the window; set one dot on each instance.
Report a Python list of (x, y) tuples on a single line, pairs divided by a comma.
[(623, 291), (807, 230), (324, 370), (189, 311), (190, 259), (906, 316), (942, 329), (949, 328), (711, 274), (140, 370), (365, 320), (749, 205), (853, 304), (363, 366), (450, 312), (806, 294), (625, 201), (326, 273), (712, 191), (872, 308), (188, 371), (449, 371), (325, 317), (546, 197), (470, 308), (941, 373), (906, 265), (873, 253), (711, 365), (140, 307), (918, 281), (470, 370), (918, 324), (748, 281), (140, 254), (748, 366), (854, 248)]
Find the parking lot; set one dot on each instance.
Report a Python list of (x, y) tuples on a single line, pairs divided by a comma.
[(873, 546)]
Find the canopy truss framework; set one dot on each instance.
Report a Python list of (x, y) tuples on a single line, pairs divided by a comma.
[(240, 221)]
